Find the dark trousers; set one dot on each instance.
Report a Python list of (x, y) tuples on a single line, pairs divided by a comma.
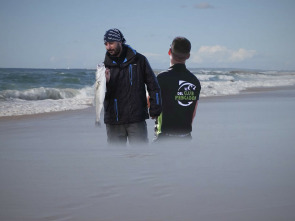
[(135, 132)]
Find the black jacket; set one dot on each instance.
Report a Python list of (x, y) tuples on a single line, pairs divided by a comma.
[(180, 93), (125, 100)]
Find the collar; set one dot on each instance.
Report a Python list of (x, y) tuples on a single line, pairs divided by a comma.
[(178, 66), (127, 55)]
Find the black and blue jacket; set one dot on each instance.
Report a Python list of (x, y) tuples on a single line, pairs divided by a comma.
[(126, 99)]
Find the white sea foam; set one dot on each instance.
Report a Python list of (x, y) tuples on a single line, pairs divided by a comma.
[(203, 77), (234, 84), (40, 94), (42, 100)]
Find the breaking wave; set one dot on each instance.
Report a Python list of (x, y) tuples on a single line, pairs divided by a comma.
[(40, 94)]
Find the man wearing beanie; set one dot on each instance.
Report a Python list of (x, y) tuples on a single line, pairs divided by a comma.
[(128, 74), (180, 94)]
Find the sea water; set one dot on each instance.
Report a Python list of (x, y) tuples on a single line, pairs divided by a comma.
[(33, 91)]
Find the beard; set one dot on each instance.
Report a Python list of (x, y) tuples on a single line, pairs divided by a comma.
[(116, 51)]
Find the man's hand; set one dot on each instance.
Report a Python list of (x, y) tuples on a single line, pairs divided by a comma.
[(108, 75)]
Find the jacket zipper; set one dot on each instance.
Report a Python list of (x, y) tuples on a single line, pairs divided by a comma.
[(157, 98), (130, 73), (116, 110)]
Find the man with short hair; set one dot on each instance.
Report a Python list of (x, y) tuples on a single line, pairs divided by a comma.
[(180, 94), (128, 73)]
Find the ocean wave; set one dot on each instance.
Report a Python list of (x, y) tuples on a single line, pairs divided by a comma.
[(226, 78), (203, 77), (32, 91), (42, 93), (21, 107), (44, 100), (230, 87)]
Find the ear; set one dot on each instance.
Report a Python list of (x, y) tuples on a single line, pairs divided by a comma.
[(188, 56), (169, 52)]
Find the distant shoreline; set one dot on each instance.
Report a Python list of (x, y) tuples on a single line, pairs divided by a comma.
[(162, 69)]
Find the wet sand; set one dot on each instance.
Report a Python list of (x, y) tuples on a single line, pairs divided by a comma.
[(239, 166)]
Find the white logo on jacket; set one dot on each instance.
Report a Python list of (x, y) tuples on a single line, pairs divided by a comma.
[(186, 93)]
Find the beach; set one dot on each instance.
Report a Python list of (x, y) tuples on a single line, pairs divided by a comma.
[(239, 166)]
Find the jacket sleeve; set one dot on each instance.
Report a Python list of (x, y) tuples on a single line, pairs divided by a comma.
[(153, 89)]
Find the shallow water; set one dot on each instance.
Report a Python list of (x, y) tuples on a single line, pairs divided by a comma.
[(240, 166)]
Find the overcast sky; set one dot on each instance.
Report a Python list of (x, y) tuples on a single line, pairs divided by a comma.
[(255, 34)]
